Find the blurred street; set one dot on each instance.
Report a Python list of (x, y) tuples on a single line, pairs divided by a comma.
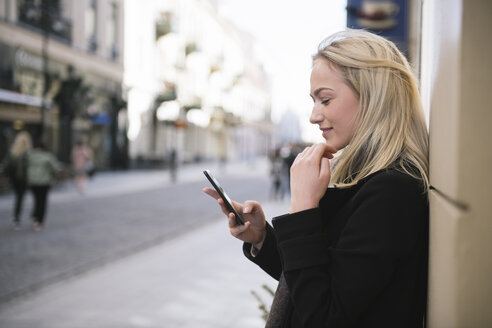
[(135, 251)]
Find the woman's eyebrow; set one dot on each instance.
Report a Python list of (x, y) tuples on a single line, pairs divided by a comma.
[(317, 91)]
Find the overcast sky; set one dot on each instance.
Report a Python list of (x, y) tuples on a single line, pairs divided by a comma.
[(289, 32)]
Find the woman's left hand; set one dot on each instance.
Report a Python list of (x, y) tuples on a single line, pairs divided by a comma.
[(310, 176)]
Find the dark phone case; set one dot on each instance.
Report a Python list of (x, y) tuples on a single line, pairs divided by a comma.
[(223, 195)]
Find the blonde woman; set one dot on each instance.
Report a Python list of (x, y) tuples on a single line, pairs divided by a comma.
[(16, 169), (352, 252)]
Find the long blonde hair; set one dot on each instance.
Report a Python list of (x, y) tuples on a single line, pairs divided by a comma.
[(392, 128), (22, 142)]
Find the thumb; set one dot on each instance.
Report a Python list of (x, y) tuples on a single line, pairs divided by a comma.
[(248, 207), (251, 206)]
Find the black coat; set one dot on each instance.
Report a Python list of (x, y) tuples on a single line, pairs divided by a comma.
[(358, 260)]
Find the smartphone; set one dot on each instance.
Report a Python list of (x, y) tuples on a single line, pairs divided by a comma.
[(223, 195)]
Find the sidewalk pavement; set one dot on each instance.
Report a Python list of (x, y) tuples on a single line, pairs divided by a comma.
[(199, 279), (122, 182)]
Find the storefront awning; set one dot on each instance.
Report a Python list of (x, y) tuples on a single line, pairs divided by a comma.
[(21, 99)]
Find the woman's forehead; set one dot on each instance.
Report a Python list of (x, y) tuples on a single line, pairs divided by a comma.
[(323, 72)]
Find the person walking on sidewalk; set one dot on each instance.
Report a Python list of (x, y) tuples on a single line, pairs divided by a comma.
[(173, 164), (15, 167), (276, 173), (82, 162), (41, 169), (352, 251)]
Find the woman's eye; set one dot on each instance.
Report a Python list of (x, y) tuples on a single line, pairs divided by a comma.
[(325, 102)]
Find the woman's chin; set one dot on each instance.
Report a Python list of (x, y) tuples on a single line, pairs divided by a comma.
[(331, 143)]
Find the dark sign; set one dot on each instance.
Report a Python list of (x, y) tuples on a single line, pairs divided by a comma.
[(388, 18)]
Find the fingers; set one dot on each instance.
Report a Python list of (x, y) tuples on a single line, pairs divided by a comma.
[(314, 153), (214, 194), (236, 229), (317, 151), (231, 220), (306, 152), (224, 209), (324, 171), (211, 192), (323, 150), (329, 151)]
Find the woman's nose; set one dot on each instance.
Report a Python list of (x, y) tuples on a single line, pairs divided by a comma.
[(316, 115)]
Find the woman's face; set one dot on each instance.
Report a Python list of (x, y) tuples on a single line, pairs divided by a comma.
[(335, 104)]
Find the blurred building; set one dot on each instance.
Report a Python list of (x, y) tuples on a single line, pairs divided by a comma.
[(194, 84), (61, 74), (290, 129)]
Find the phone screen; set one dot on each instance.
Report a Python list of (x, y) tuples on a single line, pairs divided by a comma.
[(223, 195)]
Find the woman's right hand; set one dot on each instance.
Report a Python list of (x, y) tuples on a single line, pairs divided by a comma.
[(254, 229)]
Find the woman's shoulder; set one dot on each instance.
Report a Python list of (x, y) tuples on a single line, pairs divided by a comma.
[(392, 176), (393, 184), (390, 181)]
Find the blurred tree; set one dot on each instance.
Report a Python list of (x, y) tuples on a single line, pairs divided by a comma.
[(71, 98), (119, 140)]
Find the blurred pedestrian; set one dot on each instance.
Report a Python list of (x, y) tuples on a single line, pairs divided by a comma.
[(288, 153), (277, 175), (41, 169), (173, 164), (353, 249), (15, 167), (82, 162)]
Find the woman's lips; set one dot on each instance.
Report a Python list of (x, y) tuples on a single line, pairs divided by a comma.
[(326, 131)]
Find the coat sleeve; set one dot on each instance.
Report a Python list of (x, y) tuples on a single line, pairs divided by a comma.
[(267, 258), (333, 284)]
